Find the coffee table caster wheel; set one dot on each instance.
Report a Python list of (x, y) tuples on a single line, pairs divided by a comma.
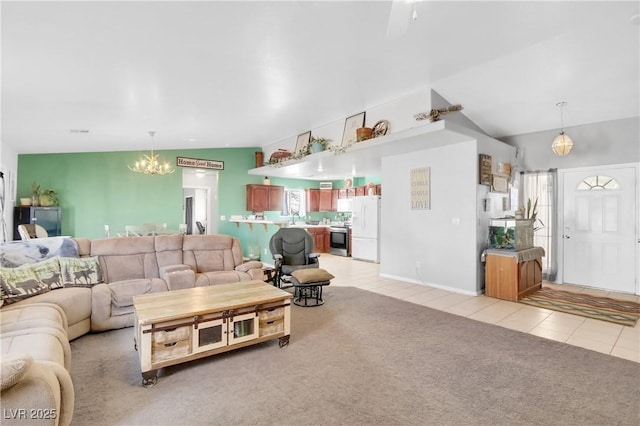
[(283, 341), (149, 380)]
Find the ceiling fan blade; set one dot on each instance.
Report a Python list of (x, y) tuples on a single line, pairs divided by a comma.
[(399, 18)]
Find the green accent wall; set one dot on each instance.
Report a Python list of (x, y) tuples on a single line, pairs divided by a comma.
[(97, 189)]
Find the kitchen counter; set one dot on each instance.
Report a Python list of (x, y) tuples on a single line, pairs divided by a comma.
[(265, 223)]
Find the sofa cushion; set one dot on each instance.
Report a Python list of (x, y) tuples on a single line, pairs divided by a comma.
[(21, 316), (81, 271), (12, 368), (126, 258), (43, 344), (206, 253), (20, 283), (74, 301)]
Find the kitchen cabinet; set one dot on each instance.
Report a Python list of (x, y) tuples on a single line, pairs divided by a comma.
[(378, 189), (261, 198), (351, 192), (50, 218), (342, 193), (361, 191), (320, 239), (334, 199), (313, 199), (325, 200)]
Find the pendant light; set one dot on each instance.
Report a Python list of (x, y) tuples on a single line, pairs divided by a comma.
[(562, 144), (150, 164)]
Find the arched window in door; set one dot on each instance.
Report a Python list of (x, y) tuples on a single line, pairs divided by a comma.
[(598, 182)]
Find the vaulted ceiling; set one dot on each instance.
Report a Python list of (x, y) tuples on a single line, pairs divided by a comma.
[(216, 74)]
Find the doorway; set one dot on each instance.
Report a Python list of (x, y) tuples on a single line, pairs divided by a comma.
[(599, 217), (200, 201)]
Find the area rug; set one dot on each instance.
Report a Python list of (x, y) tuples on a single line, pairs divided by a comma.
[(602, 308), (362, 359)]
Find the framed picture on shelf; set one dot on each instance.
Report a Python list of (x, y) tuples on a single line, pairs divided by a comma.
[(351, 124), (302, 141)]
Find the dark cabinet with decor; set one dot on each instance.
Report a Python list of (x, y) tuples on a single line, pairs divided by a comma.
[(262, 198), (50, 218)]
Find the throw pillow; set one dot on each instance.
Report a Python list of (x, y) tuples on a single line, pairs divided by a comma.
[(48, 272), (80, 271), (20, 283), (13, 367), (312, 275)]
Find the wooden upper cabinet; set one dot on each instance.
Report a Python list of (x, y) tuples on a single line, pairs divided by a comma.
[(276, 198), (313, 199), (335, 193), (378, 189), (342, 193), (361, 190), (351, 192), (261, 198), (325, 200)]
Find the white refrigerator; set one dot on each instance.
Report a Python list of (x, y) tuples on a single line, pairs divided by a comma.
[(365, 228)]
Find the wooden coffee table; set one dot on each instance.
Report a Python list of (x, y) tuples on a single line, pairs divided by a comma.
[(178, 326)]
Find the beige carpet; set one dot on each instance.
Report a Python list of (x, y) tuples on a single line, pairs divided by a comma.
[(363, 359)]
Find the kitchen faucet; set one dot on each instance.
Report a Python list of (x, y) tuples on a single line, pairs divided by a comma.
[(293, 218)]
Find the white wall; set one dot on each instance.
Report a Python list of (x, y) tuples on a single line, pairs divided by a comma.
[(9, 166), (609, 142), (441, 239), (442, 246)]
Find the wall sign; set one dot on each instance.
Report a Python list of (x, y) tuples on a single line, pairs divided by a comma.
[(199, 163), (421, 188), (485, 169), (326, 185)]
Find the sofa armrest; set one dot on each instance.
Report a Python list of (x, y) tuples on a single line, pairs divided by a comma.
[(253, 268), (179, 278), (46, 387)]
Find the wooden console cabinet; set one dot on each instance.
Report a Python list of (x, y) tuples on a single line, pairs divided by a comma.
[(182, 325), (512, 275)]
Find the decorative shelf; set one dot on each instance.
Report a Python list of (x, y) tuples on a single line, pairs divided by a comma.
[(365, 158)]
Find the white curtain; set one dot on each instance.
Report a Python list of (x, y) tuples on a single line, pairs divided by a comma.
[(542, 186)]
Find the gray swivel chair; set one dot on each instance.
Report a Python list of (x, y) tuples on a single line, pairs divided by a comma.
[(292, 249)]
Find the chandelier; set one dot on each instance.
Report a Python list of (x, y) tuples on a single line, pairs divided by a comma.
[(150, 165), (562, 144)]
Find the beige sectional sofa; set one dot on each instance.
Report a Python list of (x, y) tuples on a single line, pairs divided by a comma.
[(35, 331)]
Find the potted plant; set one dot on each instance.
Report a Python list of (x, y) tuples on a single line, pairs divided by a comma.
[(317, 144), (48, 198), (35, 194)]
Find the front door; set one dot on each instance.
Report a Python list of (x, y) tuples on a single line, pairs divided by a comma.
[(599, 238)]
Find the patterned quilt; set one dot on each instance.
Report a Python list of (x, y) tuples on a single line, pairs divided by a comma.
[(16, 253)]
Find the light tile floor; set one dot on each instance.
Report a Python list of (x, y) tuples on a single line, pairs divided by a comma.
[(601, 336)]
